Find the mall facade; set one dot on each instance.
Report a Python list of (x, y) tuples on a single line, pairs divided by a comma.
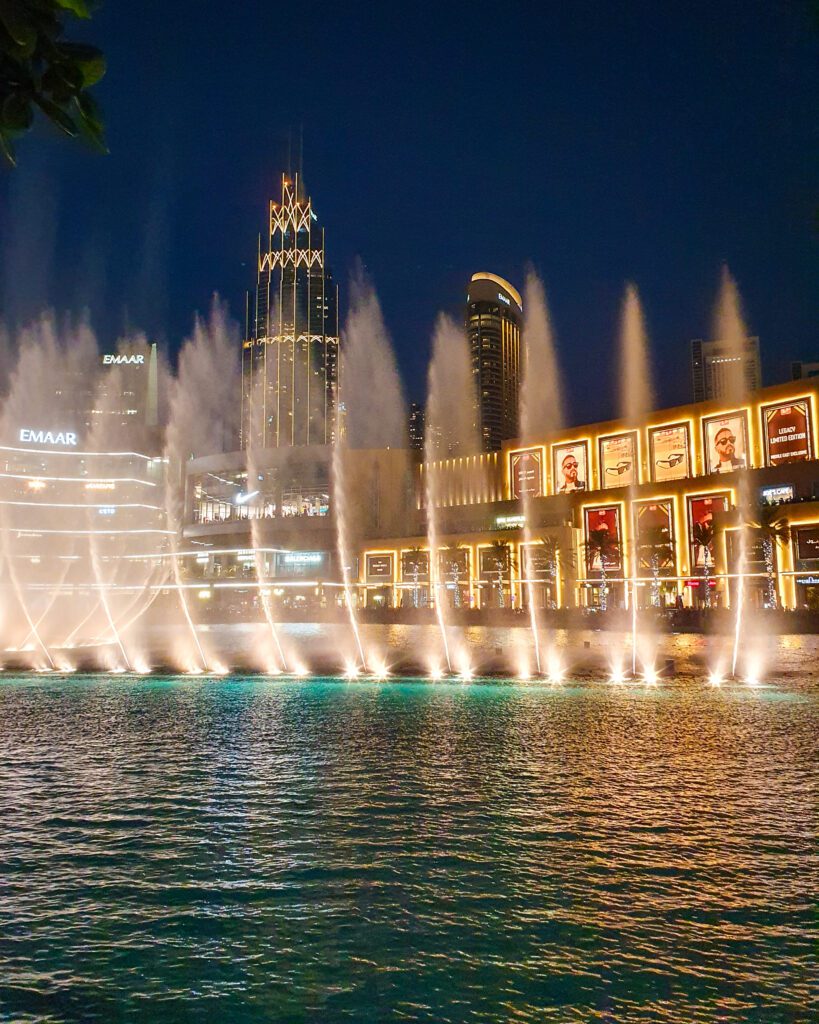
[(651, 508)]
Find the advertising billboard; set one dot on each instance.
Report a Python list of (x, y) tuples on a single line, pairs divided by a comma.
[(807, 543), (526, 473), (415, 566), (453, 565), (379, 567), (701, 527), (539, 562), (654, 530), (726, 442), (603, 540), (670, 452), (570, 467), (787, 431), (493, 560), (618, 460)]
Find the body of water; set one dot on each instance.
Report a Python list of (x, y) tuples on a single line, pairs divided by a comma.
[(241, 850)]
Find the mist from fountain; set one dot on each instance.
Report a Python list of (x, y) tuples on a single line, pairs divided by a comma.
[(201, 420), (541, 415), (730, 329), (371, 415), (637, 400), (451, 430)]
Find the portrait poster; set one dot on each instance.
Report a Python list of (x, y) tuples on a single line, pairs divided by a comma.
[(618, 460), (570, 467), (603, 542), (670, 452), (526, 473), (726, 442), (415, 566), (787, 432), (654, 529), (701, 527)]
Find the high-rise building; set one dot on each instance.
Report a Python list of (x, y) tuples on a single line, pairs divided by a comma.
[(803, 371), (718, 370), (416, 425), (494, 311), (290, 353)]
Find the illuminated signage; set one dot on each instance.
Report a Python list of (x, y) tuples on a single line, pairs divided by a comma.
[(504, 299), (654, 527), (509, 522), (787, 433), (618, 460), (807, 543), (526, 473), (61, 437), (603, 542), (109, 359), (669, 449), (415, 565), (726, 442), (775, 495), (303, 557), (570, 465), (379, 567), (701, 527)]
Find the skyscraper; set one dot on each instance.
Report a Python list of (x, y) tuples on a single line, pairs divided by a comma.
[(416, 426), (493, 321), (290, 354), (718, 370)]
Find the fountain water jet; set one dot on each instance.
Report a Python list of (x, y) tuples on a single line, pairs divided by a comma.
[(450, 430), (730, 329), (636, 401), (541, 413), (371, 414)]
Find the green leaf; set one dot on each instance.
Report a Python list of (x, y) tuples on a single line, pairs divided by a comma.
[(91, 123), (7, 149), (56, 114), (87, 59), (78, 7), (16, 113), (20, 26)]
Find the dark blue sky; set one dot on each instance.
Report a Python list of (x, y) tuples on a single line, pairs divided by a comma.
[(603, 142)]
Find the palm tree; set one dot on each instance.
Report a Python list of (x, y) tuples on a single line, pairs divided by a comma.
[(655, 548), (413, 560), (703, 537), (448, 558), (500, 555), (555, 557), (767, 522), (601, 545)]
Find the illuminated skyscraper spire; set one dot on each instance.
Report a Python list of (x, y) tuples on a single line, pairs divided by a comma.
[(290, 354)]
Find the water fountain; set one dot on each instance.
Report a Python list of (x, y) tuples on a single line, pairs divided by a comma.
[(730, 329), (636, 401), (450, 431), (541, 414), (371, 415)]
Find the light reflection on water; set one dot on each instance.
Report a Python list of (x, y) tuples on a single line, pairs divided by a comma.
[(254, 850)]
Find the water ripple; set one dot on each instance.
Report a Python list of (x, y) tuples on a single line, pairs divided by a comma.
[(242, 850)]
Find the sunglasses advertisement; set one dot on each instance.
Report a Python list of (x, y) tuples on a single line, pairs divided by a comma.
[(669, 449), (570, 465), (618, 460), (726, 442)]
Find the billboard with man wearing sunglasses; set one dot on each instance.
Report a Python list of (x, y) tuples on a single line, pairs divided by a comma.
[(670, 452), (618, 460), (570, 464), (726, 442)]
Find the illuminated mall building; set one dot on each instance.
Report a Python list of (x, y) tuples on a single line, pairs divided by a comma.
[(494, 312), (616, 507), (290, 353)]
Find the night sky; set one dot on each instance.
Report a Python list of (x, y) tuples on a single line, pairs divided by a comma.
[(603, 142)]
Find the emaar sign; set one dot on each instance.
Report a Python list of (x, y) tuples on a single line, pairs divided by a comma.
[(109, 359), (60, 437)]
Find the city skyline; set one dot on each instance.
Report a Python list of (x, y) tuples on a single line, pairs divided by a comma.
[(637, 169)]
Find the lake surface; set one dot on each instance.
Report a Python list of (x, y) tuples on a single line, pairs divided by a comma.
[(242, 850)]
